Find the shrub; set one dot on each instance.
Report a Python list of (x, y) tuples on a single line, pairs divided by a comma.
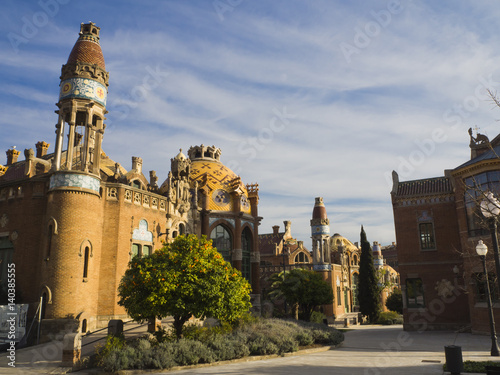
[(163, 356), (261, 345), (317, 317), (112, 343), (192, 352), (390, 317), (395, 301), (304, 338), (120, 359), (228, 348), (262, 337)]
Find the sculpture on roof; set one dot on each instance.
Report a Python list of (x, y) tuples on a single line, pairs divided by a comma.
[(479, 139)]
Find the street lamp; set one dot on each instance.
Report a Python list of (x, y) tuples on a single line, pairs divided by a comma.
[(284, 253), (490, 208), (481, 250)]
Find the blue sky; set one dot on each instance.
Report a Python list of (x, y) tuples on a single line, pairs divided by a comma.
[(307, 99)]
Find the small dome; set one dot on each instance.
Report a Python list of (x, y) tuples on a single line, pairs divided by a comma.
[(87, 48)]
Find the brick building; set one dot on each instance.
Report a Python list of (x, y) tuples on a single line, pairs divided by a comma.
[(438, 224), (335, 257), (71, 220)]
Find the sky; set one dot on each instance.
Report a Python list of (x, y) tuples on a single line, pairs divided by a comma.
[(320, 98)]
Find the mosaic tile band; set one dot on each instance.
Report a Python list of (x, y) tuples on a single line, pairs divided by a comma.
[(74, 180), (83, 88), (320, 229)]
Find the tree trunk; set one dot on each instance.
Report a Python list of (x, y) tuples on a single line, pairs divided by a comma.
[(179, 323)]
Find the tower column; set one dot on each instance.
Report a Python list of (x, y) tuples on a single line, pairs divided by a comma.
[(59, 143)]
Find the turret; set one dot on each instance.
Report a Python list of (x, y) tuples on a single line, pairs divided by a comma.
[(82, 105), (320, 234)]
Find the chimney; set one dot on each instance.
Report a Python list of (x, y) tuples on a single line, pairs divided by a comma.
[(12, 155), (41, 149), (276, 229), (288, 229), (137, 164)]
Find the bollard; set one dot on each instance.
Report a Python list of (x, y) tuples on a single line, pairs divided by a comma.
[(72, 349), (454, 360), (115, 327)]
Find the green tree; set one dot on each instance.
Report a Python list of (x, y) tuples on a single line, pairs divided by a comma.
[(368, 290), (307, 290), (185, 278), (395, 301)]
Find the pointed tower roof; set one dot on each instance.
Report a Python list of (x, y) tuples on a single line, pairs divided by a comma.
[(319, 223), (87, 48), (319, 211)]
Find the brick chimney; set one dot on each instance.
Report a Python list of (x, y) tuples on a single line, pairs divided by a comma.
[(12, 155), (276, 229), (41, 149)]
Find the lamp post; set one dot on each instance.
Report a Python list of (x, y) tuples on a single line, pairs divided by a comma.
[(481, 250), (284, 253), (490, 208)]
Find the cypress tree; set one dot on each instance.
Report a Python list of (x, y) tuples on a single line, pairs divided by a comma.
[(368, 290)]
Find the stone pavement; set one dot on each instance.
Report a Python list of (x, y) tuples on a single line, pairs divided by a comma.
[(367, 350)]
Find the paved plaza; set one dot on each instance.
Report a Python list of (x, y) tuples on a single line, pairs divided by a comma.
[(367, 350)]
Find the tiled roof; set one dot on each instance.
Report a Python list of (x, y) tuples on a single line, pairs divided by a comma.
[(268, 242), (88, 50), (428, 186)]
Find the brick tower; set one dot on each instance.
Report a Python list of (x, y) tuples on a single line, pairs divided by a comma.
[(74, 210), (320, 231)]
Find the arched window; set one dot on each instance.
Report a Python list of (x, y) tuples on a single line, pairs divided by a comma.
[(300, 258), (182, 229), (246, 249), (86, 262), (49, 241), (142, 238), (222, 240)]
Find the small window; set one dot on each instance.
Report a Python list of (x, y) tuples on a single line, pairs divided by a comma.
[(481, 286), (414, 293), (136, 184), (426, 231), (339, 296), (147, 250), (135, 250)]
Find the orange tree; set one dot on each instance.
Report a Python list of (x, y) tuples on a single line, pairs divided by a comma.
[(185, 278)]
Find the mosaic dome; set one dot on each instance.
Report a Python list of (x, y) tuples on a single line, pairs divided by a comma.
[(221, 181)]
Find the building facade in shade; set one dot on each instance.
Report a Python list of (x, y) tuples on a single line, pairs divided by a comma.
[(335, 257), (438, 224), (71, 220)]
